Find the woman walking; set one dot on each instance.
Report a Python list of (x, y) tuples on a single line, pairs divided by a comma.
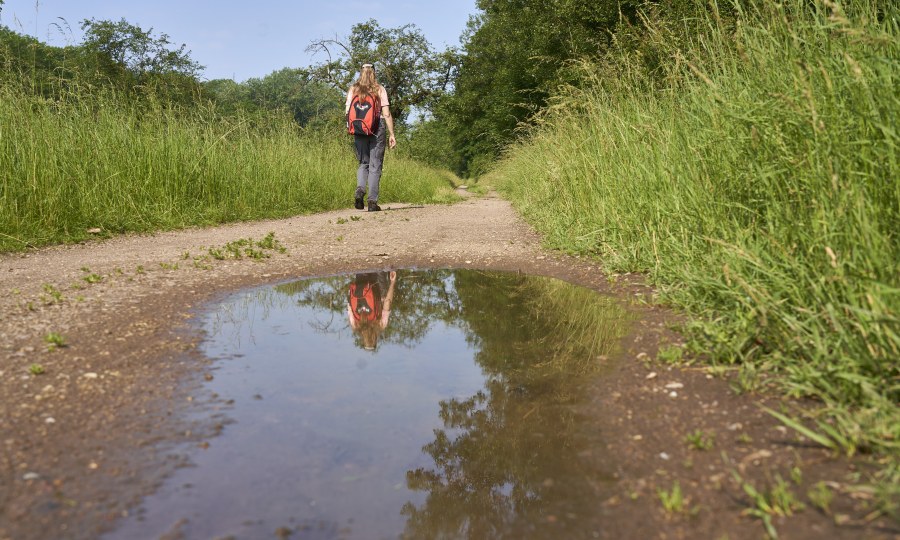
[(370, 148)]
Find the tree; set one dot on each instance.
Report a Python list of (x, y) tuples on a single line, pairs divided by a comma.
[(515, 55), (413, 74), (131, 56), (297, 91)]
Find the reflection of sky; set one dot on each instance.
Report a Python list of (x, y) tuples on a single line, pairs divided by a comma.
[(240, 39), (333, 435)]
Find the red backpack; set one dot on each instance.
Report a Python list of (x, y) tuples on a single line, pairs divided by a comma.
[(364, 115), (363, 302)]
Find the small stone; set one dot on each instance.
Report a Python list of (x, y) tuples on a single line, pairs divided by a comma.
[(735, 426), (468, 262), (93, 466), (664, 456), (638, 438), (641, 355), (30, 476), (94, 230), (651, 375), (673, 394), (674, 386), (90, 375), (50, 420)]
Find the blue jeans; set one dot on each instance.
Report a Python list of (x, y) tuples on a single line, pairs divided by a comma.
[(370, 153)]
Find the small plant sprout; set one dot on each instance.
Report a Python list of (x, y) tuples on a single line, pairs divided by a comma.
[(248, 247), (269, 242), (93, 278), (53, 294), (820, 495), (186, 255), (36, 369), (673, 501), (796, 475), (699, 440), (777, 501), (341, 221), (139, 269), (357, 218), (670, 354), (54, 341)]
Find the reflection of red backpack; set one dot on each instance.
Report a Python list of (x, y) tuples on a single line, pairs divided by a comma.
[(364, 115), (364, 301)]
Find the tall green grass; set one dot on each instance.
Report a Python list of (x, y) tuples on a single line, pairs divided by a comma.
[(755, 176), (88, 160)]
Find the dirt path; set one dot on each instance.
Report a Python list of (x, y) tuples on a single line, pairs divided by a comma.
[(109, 416)]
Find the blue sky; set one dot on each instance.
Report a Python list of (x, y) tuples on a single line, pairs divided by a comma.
[(240, 39)]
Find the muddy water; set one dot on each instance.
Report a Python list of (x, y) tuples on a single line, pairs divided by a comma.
[(416, 404)]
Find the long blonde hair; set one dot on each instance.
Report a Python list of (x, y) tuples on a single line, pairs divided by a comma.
[(367, 84)]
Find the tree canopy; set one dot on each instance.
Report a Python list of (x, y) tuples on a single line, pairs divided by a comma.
[(411, 71), (515, 54)]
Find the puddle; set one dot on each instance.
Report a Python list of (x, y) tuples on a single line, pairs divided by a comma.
[(456, 410)]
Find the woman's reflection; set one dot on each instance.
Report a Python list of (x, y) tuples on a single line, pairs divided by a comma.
[(369, 306)]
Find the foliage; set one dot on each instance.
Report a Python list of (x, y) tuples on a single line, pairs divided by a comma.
[(515, 54), (428, 141), (289, 89), (413, 74), (133, 58), (753, 175)]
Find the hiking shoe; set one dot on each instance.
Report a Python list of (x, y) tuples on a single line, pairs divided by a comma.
[(373, 207), (358, 202)]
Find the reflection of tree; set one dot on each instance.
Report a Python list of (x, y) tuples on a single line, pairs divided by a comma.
[(420, 300), (507, 462)]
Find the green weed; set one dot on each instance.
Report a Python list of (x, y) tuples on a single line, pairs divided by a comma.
[(54, 341), (670, 354), (699, 440), (54, 295), (674, 501), (779, 500), (93, 278), (821, 496), (36, 369)]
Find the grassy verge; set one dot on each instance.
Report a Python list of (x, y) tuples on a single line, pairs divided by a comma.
[(98, 162), (756, 179)]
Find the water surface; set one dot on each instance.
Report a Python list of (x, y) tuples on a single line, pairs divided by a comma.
[(447, 404)]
